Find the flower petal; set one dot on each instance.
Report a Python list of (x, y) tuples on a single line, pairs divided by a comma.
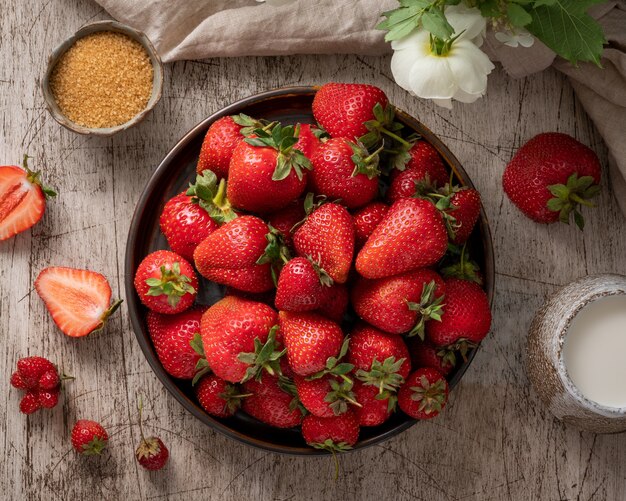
[(467, 20), (406, 51), (467, 50), (431, 78)]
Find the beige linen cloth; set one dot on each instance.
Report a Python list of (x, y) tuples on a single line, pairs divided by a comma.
[(197, 29)]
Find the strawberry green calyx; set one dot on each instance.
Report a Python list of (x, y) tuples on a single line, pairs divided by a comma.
[(248, 124), (462, 345), (384, 375), (94, 447), (324, 277), (233, 398), (34, 178), (364, 161), (340, 396), (320, 132), (567, 197), (382, 126), (333, 448), (202, 365), (442, 198), (288, 386), (211, 196), (429, 307), (276, 252), (431, 396), (282, 139), (172, 283), (464, 268), (335, 367), (265, 357)]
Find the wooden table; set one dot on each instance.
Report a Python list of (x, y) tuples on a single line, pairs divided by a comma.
[(494, 441)]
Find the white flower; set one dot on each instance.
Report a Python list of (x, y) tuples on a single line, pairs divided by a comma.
[(460, 73), (276, 3), (520, 37)]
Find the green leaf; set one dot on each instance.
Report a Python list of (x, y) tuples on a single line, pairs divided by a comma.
[(402, 21), (490, 8), (517, 15), (434, 21), (566, 28)]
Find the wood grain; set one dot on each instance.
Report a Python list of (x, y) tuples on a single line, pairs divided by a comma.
[(495, 441)]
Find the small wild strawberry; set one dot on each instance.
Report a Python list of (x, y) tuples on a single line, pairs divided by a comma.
[(151, 452), (89, 437)]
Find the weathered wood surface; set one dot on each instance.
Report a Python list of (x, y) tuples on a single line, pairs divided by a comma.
[(495, 441)]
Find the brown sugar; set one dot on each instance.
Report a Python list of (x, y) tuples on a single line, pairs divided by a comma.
[(103, 80)]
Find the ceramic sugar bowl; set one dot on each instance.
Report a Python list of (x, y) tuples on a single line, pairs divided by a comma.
[(576, 353)]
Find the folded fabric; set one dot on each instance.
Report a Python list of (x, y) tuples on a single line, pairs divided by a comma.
[(214, 28)]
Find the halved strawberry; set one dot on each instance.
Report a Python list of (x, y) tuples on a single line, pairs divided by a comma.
[(22, 199), (78, 300)]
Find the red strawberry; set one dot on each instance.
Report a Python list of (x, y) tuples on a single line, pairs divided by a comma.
[(375, 408), (266, 172), (424, 165), (151, 453), (185, 225), (234, 332), (218, 397), (466, 319), (460, 208), (424, 394), (230, 255), (89, 438), (343, 109), (426, 354), (380, 359), (402, 303), (336, 302), (310, 340), (172, 336), (285, 219), (412, 235), (221, 139), (39, 377), (327, 236), (78, 300), (307, 140), (272, 403), (32, 372), (550, 176), (465, 210), (336, 434), (166, 282), (366, 219), (30, 403), (22, 199), (326, 396), (346, 171), (302, 286)]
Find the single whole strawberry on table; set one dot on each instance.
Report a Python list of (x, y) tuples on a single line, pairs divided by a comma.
[(306, 227)]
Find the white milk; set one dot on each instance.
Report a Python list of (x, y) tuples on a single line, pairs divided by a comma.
[(594, 351)]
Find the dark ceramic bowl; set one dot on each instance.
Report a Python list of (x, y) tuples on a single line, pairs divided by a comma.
[(289, 105)]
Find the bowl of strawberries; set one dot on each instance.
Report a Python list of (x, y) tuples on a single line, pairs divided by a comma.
[(310, 270)]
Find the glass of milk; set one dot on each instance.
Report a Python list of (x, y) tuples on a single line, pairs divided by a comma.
[(576, 353)]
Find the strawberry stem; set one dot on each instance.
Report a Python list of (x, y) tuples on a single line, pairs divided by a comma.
[(395, 136), (140, 408)]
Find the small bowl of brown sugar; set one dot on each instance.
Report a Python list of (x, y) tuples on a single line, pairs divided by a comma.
[(104, 79)]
